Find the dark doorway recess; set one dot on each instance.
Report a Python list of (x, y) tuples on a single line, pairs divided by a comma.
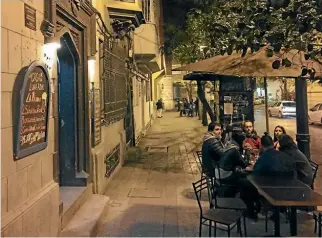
[(129, 116), (71, 154)]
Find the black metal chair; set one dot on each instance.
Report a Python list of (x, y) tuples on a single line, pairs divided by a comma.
[(199, 157), (317, 215), (318, 222), (225, 203), (315, 168), (211, 217)]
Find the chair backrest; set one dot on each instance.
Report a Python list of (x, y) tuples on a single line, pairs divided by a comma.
[(199, 158), (213, 185), (198, 187), (315, 168)]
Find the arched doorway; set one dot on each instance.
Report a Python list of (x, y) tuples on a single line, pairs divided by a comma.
[(70, 164)]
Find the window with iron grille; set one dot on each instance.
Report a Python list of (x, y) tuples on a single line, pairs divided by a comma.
[(101, 70), (114, 75)]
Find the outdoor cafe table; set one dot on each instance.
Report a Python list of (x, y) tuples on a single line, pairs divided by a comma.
[(283, 192)]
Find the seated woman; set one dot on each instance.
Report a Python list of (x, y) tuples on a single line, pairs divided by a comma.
[(278, 132), (300, 162)]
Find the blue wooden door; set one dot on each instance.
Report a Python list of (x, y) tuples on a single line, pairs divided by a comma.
[(67, 112)]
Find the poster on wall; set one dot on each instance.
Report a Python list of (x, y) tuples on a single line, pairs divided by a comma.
[(32, 126), (228, 108)]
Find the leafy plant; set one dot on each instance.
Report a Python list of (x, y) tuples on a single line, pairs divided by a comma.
[(248, 25)]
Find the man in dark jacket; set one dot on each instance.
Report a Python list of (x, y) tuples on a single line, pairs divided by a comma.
[(273, 162), (159, 105), (212, 147), (300, 162), (216, 152)]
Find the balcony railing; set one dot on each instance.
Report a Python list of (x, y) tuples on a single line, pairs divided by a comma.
[(146, 8)]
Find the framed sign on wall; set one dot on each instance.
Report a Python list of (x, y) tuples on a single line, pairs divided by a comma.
[(31, 132), (96, 117)]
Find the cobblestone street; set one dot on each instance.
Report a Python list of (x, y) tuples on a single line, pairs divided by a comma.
[(153, 195)]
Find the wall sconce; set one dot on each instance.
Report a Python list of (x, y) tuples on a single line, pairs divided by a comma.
[(162, 86), (91, 69), (50, 51)]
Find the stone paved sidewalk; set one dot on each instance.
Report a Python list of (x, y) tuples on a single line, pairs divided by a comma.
[(153, 196)]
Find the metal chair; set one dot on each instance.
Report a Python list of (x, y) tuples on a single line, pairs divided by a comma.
[(318, 222), (211, 217), (315, 168), (317, 215), (225, 203), (202, 170)]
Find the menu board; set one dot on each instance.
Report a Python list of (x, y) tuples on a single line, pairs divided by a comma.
[(31, 135), (236, 84), (96, 121)]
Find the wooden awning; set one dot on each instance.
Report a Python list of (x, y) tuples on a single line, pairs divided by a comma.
[(254, 65)]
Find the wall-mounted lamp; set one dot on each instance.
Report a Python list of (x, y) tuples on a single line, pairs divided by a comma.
[(50, 49), (162, 86), (91, 69)]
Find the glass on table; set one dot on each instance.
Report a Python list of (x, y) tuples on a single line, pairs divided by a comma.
[(254, 156)]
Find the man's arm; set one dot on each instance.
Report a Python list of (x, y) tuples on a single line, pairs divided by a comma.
[(259, 165), (216, 146)]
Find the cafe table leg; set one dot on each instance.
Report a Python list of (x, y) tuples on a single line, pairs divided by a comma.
[(277, 221), (293, 222)]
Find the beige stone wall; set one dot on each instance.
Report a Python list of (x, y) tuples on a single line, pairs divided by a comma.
[(166, 91), (143, 110), (112, 135), (29, 195)]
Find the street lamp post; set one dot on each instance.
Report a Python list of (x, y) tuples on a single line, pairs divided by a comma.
[(302, 125)]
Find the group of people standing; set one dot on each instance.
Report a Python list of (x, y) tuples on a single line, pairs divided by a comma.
[(226, 154), (186, 108)]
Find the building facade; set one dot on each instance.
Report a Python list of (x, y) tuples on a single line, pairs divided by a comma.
[(92, 101)]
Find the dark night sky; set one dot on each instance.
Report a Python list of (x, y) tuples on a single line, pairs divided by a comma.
[(175, 11)]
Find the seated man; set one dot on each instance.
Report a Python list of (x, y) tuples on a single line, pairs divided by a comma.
[(252, 142), (227, 157), (273, 162), (212, 148)]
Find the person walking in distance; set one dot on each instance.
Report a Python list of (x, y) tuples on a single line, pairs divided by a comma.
[(159, 107), (196, 102)]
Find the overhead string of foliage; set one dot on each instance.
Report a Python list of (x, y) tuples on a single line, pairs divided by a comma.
[(249, 25)]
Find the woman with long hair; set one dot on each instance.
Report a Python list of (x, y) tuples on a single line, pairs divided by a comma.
[(300, 162), (278, 132)]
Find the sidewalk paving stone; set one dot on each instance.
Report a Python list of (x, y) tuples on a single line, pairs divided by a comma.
[(174, 212)]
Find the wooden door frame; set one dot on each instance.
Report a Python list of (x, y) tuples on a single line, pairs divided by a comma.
[(78, 19)]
